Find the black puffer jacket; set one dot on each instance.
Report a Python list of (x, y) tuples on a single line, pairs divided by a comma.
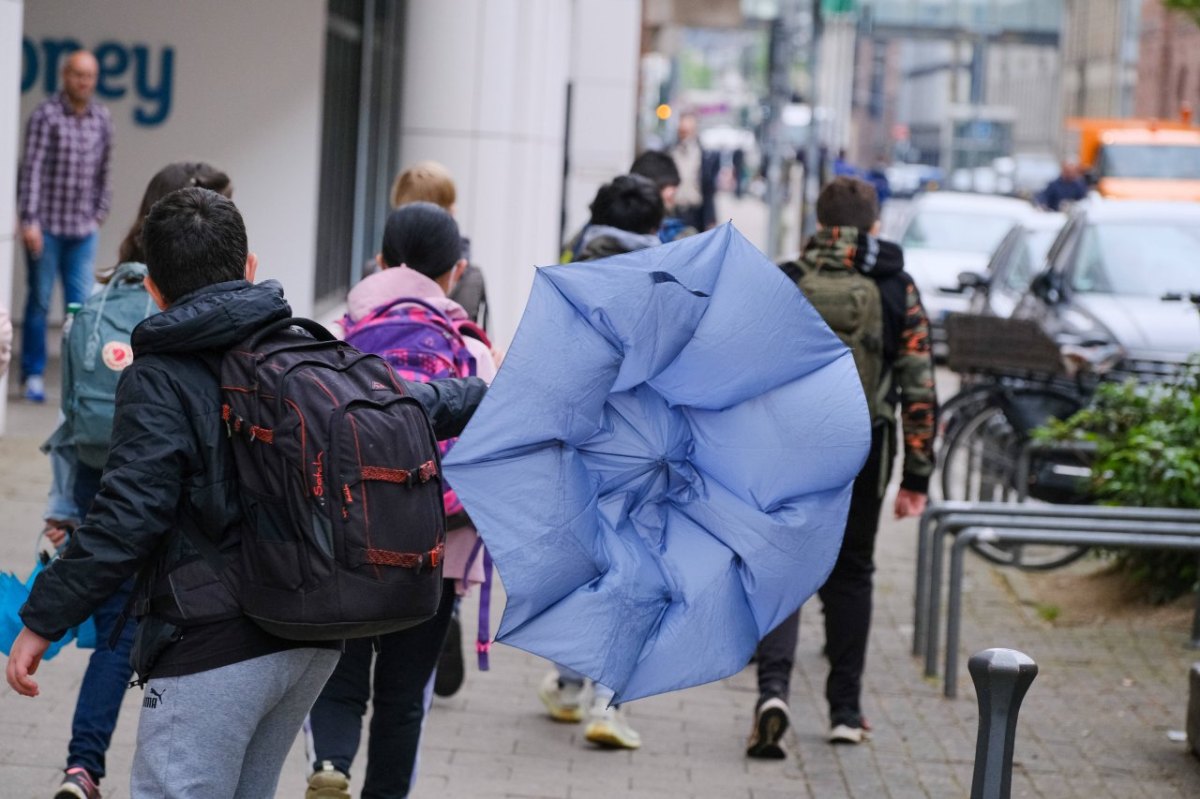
[(170, 460)]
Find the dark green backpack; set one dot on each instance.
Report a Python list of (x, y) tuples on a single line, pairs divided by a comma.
[(850, 304), (96, 351)]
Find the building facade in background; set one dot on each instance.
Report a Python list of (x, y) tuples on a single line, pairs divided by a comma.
[(313, 105), (1099, 57), (1168, 71), (957, 85)]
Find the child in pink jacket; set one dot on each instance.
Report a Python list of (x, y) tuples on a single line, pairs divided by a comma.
[(421, 259)]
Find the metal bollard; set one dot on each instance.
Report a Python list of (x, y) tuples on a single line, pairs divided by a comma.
[(1001, 676)]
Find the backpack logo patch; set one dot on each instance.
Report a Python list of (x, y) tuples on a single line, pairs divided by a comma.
[(117, 355)]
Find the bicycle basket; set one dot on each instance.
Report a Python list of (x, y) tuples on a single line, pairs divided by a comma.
[(997, 345)]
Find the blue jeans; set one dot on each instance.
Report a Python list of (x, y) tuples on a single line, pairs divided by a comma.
[(70, 257), (108, 670)]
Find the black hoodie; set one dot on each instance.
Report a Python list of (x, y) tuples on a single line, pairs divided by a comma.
[(170, 464)]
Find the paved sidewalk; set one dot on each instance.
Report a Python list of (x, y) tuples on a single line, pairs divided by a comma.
[(1095, 723)]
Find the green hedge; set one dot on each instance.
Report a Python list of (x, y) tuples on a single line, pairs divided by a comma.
[(1147, 440)]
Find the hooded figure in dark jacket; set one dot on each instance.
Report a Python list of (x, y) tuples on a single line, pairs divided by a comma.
[(224, 699)]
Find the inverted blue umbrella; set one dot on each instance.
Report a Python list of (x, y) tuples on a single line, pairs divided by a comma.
[(662, 468)]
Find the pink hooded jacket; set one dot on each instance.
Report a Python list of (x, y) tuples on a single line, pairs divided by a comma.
[(384, 287)]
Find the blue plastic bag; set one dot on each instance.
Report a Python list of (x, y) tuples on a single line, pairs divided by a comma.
[(13, 593)]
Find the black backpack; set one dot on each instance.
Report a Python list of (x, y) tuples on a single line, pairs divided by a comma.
[(341, 488)]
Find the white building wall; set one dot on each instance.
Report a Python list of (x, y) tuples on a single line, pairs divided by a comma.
[(485, 88), (485, 84), (604, 68), (246, 96), (10, 78)]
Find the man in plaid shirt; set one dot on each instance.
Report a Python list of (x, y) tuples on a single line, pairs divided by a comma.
[(63, 196)]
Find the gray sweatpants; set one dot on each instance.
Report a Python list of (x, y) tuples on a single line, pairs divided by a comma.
[(225, 733)]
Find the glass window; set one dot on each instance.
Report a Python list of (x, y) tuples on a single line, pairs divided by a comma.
[(1029, 259), (1150, 161), (1139, 258)]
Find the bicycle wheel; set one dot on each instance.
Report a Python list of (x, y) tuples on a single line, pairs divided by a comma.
[(980, 457), (952, 415), (980, 466)]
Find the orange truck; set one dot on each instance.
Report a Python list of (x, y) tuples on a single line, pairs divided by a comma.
[(1140, 159)]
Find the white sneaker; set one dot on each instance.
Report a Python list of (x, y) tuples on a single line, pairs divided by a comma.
[(35, 388), (607, 727), (846, 734), (563, 700)]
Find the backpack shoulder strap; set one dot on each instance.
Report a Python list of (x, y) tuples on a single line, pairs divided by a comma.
[(793, 269), (468, 328)]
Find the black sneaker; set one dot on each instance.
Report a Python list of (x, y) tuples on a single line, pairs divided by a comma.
[(78, 784), (450, 668), (770, 723)]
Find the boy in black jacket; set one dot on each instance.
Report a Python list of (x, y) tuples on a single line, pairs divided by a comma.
[(224, 699)]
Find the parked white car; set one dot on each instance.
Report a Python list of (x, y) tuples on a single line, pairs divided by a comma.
[(948, 233)]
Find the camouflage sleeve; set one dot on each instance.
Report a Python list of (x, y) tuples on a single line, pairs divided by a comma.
[(913, 376)]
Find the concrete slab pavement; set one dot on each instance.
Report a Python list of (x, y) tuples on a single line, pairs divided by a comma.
[(1095, 723)]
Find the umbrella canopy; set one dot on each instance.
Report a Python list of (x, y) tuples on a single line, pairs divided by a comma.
[(662, 467)]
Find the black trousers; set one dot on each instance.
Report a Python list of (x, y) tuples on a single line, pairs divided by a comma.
[(403, 665), (846, 599)]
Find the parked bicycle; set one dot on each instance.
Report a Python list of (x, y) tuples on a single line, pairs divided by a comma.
[(1015, 379)]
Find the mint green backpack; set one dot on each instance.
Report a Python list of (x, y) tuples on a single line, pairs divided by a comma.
[(95, 353)]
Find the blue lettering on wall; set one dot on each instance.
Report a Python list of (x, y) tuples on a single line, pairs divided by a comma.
[(133, 72)]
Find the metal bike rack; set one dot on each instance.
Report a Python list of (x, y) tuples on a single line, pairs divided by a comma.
[(1178, 542), (1074, 523), (935, 523)]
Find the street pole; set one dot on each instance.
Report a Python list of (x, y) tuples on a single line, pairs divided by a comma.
[(812, 151), (784, 30)]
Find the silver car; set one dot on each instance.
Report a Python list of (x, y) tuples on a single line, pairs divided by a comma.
[(1120, 277), (1020, 256)]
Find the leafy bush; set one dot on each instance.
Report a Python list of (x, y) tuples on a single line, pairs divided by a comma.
[(1147, 440)]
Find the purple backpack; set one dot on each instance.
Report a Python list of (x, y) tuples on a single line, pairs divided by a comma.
[(422, 344)]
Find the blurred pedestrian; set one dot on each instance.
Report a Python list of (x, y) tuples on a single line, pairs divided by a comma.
[(877, 177), (430, 182), (63, 197), (858, 284), (78, 450), (695, 199), (660, 168), (626, 216), (396, 312), (738, 162), (842, 167), (1068, 187)]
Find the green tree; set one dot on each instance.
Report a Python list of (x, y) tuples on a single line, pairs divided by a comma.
[(1189, 7), (1146, 456)]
